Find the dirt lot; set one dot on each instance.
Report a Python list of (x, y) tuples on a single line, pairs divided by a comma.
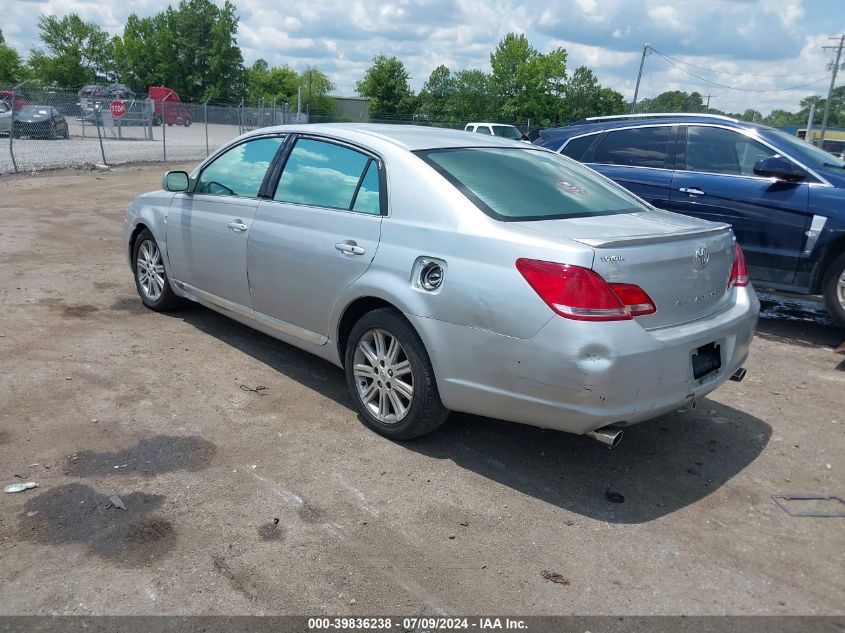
[(99, 397)]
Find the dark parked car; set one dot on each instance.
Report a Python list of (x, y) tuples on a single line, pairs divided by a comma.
[(784, 198), (42, 122)]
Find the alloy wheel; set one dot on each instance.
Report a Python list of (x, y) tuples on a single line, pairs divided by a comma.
[(150, 270), (383, 376), (840, 290)]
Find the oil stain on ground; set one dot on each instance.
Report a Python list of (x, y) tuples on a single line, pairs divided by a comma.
[(75, 513), (271, 531), (150, 456), (132, 305)]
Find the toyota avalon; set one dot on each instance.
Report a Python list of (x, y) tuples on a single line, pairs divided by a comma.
[(452, 272)]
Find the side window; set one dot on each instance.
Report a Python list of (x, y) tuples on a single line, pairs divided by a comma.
[(637, 147), (483, 129), (577, 147), (240, 170), (323, 174), (719, 151), (367, 198)]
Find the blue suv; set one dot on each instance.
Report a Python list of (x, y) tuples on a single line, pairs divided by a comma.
[(784, 198)]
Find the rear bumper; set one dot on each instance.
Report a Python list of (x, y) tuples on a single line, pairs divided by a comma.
[(577, 376)]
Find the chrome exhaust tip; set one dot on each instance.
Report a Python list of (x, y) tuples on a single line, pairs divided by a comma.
[(607, 435), (738, 375)]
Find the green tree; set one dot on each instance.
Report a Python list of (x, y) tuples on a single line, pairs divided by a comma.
[(386, 84), (77, 52), (472, 98), (673, 101), (146, 53), (528, 84), (192, 49), (316, 87), (436, 94), (11, 65), (586, 97)]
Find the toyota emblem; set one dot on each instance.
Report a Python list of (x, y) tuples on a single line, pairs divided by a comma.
[(702, 257)]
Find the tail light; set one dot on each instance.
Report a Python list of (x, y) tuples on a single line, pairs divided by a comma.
[(580, 293), (739, 273)]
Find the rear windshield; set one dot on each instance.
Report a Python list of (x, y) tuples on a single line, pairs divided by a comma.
[(508, 131), (525, 184)]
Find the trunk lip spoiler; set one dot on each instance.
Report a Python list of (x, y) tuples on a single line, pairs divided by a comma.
[(598, 242)]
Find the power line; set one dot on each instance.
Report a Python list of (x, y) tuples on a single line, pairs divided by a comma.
[(725, 72), (721, 85)]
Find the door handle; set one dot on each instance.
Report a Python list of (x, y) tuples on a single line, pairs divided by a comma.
[(349, 247), (692, 191), (238, 226)]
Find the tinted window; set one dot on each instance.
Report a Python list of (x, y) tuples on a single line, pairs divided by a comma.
[(576, 147), (321, 174), (507, 131), (638, 147), (367, 198), (240, 170), (515, 184), (804, 151), (719, 151), (483, 129)]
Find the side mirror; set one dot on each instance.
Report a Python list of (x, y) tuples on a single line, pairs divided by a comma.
[(780, 168), (176, 181)]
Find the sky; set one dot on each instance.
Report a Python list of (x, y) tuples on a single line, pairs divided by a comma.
[(760, 50)]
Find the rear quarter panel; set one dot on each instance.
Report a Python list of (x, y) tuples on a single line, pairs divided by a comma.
[(482, 288)]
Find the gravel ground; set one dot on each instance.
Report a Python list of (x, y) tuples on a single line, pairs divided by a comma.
[(243, 503)]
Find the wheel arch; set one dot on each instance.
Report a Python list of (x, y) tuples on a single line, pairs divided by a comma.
[(832, 251), (351, 314)]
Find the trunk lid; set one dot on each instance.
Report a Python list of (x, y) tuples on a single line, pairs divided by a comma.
[(682, 263)]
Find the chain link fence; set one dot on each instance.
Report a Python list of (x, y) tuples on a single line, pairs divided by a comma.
[(44, 128), (50, 128)]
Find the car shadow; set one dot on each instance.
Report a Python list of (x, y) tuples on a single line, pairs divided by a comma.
[(661, 466), (796, 319)]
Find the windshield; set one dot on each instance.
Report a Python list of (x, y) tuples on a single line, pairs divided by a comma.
[(512, 184), (507, 131), (804, 150), (33, 111)]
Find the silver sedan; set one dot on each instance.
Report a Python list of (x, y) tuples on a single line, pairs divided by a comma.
[(452, 272)]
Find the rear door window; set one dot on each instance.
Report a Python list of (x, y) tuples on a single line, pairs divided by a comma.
[(323, 174), (636, 147), (577, 147)]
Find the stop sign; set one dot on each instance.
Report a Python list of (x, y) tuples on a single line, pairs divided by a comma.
[(118, 109)]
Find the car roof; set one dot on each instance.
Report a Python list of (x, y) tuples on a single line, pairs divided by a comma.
[(409, 137), (586, 126)]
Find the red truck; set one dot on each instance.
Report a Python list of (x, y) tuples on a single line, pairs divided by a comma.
[(8, 95), (168, 107)]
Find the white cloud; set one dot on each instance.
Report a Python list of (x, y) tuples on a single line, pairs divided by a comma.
[(747, 38)]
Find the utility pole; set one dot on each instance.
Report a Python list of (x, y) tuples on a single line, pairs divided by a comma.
[(646, 50), (708, 104), (808, 135), (832, 81)]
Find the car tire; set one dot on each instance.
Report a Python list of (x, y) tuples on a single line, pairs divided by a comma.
[(400, 406), (833, 290), (187, 123), (156, 121), (53, 132), (153, 286)]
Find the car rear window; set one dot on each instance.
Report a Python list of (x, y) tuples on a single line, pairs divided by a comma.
[(520, 185), (577, 147)]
